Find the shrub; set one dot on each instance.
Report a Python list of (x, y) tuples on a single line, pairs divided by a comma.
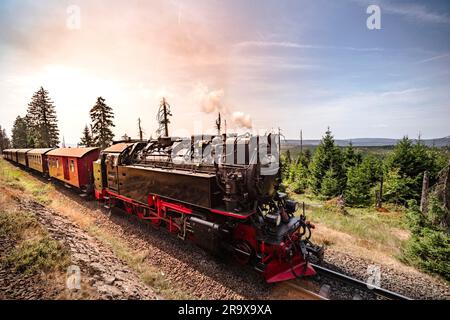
[(429, 246)]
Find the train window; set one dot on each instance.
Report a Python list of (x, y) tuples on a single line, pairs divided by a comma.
[(72, 166)]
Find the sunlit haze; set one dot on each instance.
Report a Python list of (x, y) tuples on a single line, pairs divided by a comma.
[(262, 64)]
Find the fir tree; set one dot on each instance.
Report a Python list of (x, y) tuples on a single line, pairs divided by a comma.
[(86, 139), (4, 140), (41, 120), (20, 134), (327, 159), (408, 162), (330, 184), (359, 184), (101, 117), (299, 177), (351, 157), (288, 157)]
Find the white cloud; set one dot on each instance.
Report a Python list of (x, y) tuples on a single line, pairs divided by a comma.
[(296, 45), (408, 10)]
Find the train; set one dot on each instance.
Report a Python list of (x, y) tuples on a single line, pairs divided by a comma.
[(220, 191)]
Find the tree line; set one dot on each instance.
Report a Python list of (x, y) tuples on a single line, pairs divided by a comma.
[(39, 127), (364, 180)]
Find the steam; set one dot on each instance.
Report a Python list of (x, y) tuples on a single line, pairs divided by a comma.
[(211, 102), (242, 120)]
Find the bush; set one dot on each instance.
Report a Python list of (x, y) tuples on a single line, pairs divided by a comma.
[(429, 246)]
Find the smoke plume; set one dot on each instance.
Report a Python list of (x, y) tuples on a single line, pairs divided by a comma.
[(211, 101), (242, 120)]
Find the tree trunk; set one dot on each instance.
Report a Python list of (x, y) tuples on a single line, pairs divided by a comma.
[(380, 194), (424, 197)]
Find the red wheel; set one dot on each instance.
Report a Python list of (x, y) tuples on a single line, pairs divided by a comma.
[(243, 252)]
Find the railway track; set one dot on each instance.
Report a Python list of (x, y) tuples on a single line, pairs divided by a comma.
[(378, 291)]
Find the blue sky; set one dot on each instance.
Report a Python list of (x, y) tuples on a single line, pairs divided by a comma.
[(290, 64)]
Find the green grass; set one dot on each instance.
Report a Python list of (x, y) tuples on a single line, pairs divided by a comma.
[(16, 178), (34, 249), (38, 254), (363, 223), (14, 224)]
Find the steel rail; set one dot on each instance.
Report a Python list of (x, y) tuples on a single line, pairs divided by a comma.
[(342, 277)]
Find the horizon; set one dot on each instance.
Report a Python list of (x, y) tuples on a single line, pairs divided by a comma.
[(292, 64)]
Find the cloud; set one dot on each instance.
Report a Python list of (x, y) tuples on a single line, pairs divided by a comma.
[(296, 45), (417, 12), (433, 58), (410, 11)]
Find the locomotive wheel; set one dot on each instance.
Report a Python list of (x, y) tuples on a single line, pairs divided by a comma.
[(243, 252)]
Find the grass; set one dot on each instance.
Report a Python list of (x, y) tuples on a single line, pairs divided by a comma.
[(38, 254), (386, 231), (34, 250), (18, 179)]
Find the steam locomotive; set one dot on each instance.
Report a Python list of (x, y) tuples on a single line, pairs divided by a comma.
[(219, 191)]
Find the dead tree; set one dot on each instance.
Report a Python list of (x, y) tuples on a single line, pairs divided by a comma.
[(141, 133), (424, 197), (380, 194)]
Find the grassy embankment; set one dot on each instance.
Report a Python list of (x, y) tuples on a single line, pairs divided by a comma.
[(362, 229), (46, 193)]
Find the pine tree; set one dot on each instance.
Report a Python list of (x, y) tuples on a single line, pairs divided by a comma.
[(101, 117), (4, 140), (288, 157), (299, 177), (330, 184), (20, 134), (327, 159), (351, 157), (86, 139), (358, 189), (407, 163), (41, 120)]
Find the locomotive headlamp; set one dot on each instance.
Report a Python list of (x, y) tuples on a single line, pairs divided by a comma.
[(291, 206), (273, 218)]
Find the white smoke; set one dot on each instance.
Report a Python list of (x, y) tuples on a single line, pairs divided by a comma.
[(242, 120), (211, 102)]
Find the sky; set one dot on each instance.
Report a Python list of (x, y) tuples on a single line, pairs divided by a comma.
[(264, 64)]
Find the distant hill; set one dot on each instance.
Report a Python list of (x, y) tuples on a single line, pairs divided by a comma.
[(369, 142)]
